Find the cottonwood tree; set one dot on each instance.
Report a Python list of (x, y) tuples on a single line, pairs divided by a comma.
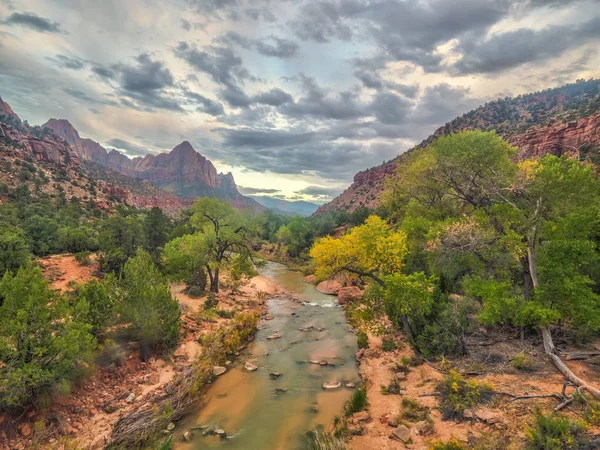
[(225, 232)]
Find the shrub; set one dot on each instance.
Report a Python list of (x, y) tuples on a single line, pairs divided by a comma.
[(452, 444), (225, 314), (14, 252), (146, 305), (554, 432), (83, 258), (321, 440), (388, 345), (43, 342), (458, 394), (357, 402), (195, 291), (99, 306), (362, 339), (110, 354), (211, 301), (413, 411), (393, 388), (523, 363)]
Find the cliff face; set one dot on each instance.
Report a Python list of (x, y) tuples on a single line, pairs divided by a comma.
[(554, 122), (183, 171), (6, 110)]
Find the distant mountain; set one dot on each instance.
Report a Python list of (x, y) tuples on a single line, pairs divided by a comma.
[(6, 110), (286, 208), (182, 172), (553, 121)]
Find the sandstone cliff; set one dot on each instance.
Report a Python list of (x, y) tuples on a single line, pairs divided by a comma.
[(183, 172)]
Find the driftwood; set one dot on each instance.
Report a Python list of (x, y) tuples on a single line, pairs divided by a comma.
[(580, 355)]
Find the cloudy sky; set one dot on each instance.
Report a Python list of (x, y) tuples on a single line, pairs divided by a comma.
[(292, 96)]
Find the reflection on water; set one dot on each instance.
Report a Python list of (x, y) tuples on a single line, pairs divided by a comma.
[(257, 411)]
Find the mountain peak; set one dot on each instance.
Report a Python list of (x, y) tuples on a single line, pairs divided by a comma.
[(6, 110), (184, 148), (63, 128)]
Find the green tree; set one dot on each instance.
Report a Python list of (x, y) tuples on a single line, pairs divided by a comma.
[(100, 306), (185, 259), (42, 233), (44, 342), (14, 252), (145, 305), (157, 227), (297, 235), (225, 232)]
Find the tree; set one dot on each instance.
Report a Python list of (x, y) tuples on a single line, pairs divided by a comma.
[(14, 252), (99, 306), (146, 306), (44, 342), (185, 259), (225, 231), (42, 233), (297, 235), (156, 230)]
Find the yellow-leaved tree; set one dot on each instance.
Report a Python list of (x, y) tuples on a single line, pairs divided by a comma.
[(371, 250)]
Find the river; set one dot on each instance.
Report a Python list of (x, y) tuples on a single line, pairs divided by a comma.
[(258, 411)]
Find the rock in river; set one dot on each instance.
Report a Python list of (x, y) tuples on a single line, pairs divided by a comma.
[(274, 336), (219, 370), (331, 385), (250, 367), (329, 287)]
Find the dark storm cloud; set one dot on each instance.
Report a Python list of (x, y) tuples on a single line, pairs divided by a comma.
[(273, 97), (129, 147), (270, 46), (321, 191), (67, 62), (390, 108), (220, 63), (441, 103), (33, 22), (235, 96), (322, 21), (146, 82), (205, 105), (507, 50), (80, 95), (264, 13), (324, 103), (277, 47), (252, 191)]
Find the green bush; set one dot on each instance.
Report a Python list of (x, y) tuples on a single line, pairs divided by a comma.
[(357, 402), (452, 444), (393, 388), (110, 354), (195, 291), (14, 252), (225, 314), (99, 306), (211, 301), (146, 305), (523, 363), (44, 344), (555, 432), (388, 345), (321, 440), (362, 339), (413, 411), (83, 258), (458, 394)]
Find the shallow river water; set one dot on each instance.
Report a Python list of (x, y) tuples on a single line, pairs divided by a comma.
[(259, 412)]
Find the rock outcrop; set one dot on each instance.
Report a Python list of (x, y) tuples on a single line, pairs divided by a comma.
[(329, 287), (349, 294), (556, 121), (183, 171), (6, 110)]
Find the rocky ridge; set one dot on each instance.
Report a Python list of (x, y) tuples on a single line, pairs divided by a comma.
[(183, 171), (556, 121)]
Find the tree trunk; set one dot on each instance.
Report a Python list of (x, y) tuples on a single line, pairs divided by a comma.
[(527, 280), (214, 282), (531, 257), (409, 334)]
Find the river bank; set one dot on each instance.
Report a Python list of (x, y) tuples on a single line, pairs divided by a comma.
[(85, 418)]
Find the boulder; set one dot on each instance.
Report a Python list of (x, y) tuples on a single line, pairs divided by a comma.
[(487, 416), (25, 430), (274, 336), (312, 279), (329, 287), (349, 294), (392, 423), (331, 385), (219, 370), (268, 317), (361, 416), (425, 428), (250, 367), (130, 398), (187, 436), (401, 434), (274, 375)]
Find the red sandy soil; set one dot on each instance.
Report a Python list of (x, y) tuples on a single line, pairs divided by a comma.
[(376, 368)]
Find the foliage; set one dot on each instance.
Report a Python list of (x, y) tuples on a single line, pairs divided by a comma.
[(44, 341), (452, 444), (185, 258), (362, 339), (100, 306), (195, 291), (412, 411), (388, 344), (14, 252), (358, 401), (145, 305), (211, 301), (555, 432), (523, 363), (83, 258), (297, 235), (370, 250), (458, 394), (320, 440)]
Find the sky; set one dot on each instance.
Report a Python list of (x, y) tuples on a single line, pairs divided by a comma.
[(291, 96)]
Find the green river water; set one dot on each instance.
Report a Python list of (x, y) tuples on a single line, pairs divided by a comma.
[(258, 412)]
